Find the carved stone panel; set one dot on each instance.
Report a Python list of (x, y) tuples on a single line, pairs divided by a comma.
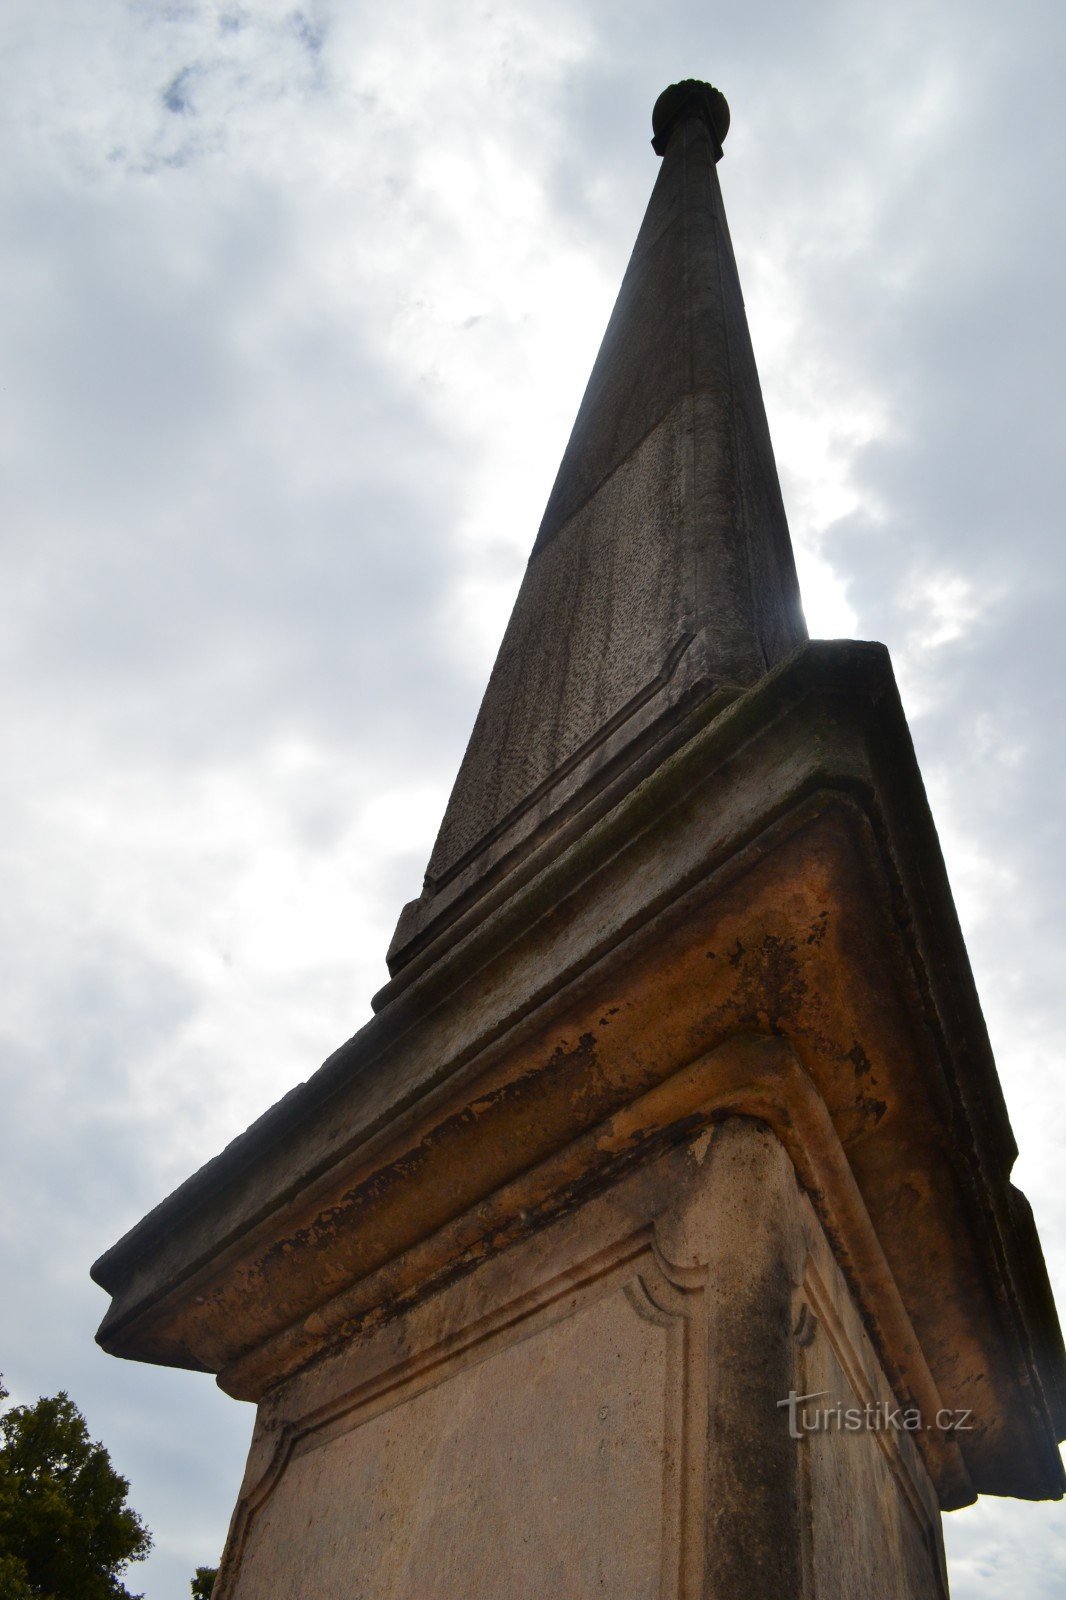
[(541, 1468), (594, 1413), (543, 1447)]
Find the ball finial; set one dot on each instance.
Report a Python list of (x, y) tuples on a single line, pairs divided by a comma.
[(690, 98)]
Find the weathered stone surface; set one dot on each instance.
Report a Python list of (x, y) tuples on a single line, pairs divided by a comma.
[(797, 892), (462, 1488), (597, 1412)]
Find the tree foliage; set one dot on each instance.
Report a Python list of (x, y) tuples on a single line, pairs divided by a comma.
[(203, 1583), (66, 1532)]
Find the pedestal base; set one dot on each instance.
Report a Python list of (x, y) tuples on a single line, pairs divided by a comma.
[(597, 1412)]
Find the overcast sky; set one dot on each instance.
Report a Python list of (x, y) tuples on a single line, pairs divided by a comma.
[(296, 308)]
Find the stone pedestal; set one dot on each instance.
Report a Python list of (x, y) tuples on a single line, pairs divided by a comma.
[(701, 1112), (598, 1411)]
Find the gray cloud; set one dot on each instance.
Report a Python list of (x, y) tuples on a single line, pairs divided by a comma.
[(292, 340)]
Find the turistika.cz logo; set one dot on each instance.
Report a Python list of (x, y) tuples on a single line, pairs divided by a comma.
[(877, 1416)]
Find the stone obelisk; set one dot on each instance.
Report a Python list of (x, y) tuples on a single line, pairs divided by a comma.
[(656, 1237)]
